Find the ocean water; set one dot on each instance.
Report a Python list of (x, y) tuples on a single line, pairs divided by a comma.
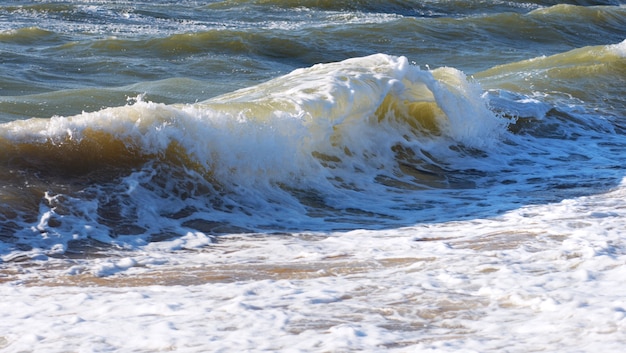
[(312, 176)]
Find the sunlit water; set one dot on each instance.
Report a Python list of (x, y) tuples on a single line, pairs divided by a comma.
[(312, 176)]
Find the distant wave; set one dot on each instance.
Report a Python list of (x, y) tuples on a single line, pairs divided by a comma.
[(408, 7), (28, 35), (595, 75)]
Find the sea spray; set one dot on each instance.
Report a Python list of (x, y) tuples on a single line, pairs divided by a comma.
[(305, 146)]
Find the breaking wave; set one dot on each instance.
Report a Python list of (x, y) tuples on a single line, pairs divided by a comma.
[(316, 145)]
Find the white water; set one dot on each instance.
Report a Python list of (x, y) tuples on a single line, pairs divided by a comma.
[(518, 261), (331, 131), (546, 277)]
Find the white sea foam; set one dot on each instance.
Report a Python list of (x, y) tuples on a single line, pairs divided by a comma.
[(328, 132), (619, 49), (361, 229), (542, 277)]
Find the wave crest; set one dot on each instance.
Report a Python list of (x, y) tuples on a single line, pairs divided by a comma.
[(356, 111), (317, 145)]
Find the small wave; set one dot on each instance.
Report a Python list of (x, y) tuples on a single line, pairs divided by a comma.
[(28, 35), (607, 57), (577, 9), (45, 8), (560, 24), (215, 41), (595, 75), (397, 7), (562, 15)]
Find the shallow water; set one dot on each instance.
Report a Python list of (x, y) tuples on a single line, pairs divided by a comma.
[(312, 175)]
